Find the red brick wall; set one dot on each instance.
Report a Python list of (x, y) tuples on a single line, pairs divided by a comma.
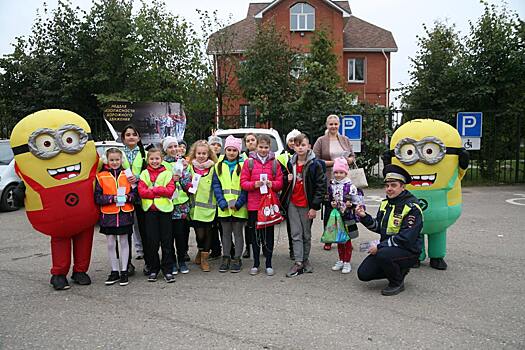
[(373, 90), (326, 18)]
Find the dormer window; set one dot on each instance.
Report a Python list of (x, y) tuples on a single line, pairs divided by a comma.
[(302, 17)]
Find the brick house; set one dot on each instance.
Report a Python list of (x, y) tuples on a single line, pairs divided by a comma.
[(363, 49)]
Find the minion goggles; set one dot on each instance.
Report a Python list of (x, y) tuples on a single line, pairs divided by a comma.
[(429, 150), (46, 143)]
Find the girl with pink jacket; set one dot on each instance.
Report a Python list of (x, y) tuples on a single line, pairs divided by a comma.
[(260, 162)]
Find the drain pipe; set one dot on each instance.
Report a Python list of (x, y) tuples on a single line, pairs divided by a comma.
[(387, 79)]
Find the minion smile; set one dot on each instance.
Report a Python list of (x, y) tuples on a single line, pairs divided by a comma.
[(65, 173), (423, 180)]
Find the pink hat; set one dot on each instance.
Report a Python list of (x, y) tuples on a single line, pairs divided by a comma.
[(340, 164), (233, 142)]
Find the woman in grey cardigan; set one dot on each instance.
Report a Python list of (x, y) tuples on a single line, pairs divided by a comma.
[(329, 147)]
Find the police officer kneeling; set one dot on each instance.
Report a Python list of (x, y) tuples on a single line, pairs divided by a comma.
[(399, 222)]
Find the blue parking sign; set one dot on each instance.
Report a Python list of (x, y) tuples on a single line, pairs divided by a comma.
[(351, 126), (470, 124)]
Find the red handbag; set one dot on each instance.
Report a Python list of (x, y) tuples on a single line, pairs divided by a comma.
[(269, 213)]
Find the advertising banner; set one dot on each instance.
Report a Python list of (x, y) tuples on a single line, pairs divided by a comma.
[(154, 120)]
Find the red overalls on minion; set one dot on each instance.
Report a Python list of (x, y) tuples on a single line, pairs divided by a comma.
[(57, 160)]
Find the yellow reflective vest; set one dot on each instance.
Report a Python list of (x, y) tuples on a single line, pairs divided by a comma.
[(163, 204), (203, 204), (181, 197), (395, 220), (136, 167), (231, 189)]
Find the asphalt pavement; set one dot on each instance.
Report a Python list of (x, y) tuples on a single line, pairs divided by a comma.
[(478, 303)]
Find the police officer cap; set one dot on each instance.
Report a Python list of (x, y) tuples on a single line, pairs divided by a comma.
[(393, 172)]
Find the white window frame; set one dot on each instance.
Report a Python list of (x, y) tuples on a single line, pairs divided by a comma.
[(302, 15), (353, 71)]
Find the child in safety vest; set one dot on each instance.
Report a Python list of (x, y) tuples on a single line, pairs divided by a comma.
[(156, 189), (135, 160), (231, 201), (261, 170), (203, 205), (344, 196), (115, 196), (181, 202)]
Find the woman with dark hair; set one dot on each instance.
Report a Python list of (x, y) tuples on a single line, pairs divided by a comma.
[(134, 159)]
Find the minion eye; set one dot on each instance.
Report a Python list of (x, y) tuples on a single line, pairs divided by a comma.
[(431, 152), (408, 153), (71, 139), (45, 143)]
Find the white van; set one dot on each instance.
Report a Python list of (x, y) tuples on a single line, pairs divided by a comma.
[(277, 145)]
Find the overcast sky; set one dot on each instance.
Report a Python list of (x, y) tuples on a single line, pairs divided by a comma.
[(404, 18)]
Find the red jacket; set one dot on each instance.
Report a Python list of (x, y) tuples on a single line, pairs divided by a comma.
[(248, 178), (158, 191)]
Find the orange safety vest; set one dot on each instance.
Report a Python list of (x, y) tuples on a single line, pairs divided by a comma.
[(109, 187)]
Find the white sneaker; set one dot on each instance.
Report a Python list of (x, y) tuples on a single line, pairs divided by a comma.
[(269, 271), (338, 266), (254, 271), (346, 268)]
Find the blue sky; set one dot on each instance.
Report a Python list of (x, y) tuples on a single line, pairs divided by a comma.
[(404, 18)]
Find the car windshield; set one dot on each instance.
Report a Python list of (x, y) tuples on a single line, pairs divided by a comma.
[(6, 154), (273, 147)]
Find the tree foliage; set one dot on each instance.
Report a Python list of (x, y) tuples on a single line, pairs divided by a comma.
[(79, 60), (265, 74)]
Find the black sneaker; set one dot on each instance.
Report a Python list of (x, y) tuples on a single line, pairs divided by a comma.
[(152, 277), (169, 278), (393, 290), (438, 263), (131, 269), (124, 278), (59, 282), (81, 278), (112, 278), (225, 265), (236, 265)]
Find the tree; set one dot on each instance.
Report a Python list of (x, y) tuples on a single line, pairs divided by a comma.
[(437, 75), (320, 92), (223, 61), (265, 76)]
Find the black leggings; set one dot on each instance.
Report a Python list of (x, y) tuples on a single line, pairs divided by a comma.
[(203, 235), (387, 263), (180, 229), (261, 238)]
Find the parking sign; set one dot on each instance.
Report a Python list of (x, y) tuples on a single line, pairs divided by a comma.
[(469, 124), (351, 126)]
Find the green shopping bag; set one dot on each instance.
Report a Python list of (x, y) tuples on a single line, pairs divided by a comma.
[(335, 231)]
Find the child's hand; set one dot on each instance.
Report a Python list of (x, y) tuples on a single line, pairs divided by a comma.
[(258, 184), (311, 214), (269, 184), (372, 250), (132, 179), (334, 204), (290, 177), (360, 211)]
